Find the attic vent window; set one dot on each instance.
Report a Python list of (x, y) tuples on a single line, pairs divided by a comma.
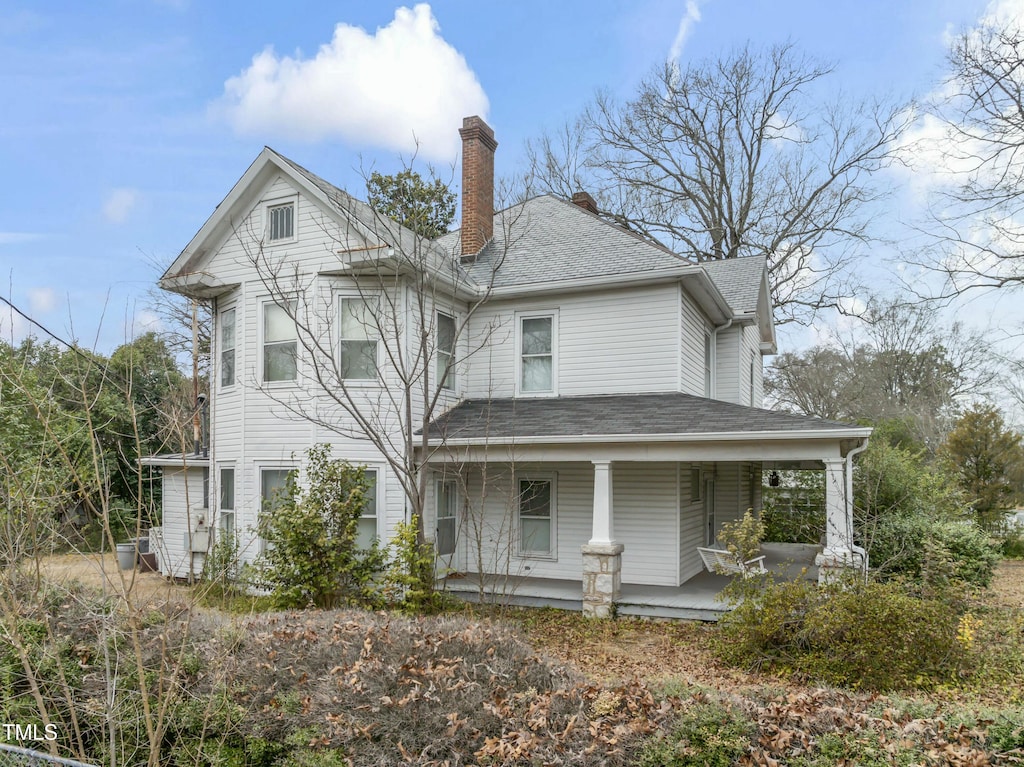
[(281, 222)]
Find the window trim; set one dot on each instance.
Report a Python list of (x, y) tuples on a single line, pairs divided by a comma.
[(533, 315), (291, 200), (222, 348), (378, 349), (264, 303), (449, 382), (538, 476)]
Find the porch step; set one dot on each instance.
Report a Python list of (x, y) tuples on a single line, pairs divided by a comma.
[(664, 611)]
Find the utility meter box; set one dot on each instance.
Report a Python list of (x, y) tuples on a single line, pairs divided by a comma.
[(198, 541)]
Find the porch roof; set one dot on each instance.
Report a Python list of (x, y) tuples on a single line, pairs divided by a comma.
[(177, 460), (625, 417)]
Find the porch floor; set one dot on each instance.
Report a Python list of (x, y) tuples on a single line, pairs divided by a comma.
[(699, 598)]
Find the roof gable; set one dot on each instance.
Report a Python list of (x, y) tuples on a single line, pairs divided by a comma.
[(186, 273)]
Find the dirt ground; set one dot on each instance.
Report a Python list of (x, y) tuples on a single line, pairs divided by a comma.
[(101, 572)]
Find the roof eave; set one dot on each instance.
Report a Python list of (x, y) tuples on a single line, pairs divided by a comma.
[(836, 433)]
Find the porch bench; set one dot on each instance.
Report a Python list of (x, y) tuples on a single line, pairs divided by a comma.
[(726, 563)]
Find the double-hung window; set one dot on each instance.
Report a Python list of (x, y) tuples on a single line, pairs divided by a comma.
[(446, 351), (280, 342), (273, 485), (227, 347), (359, 337), (281, 222), (536, 516), (537, 364), (366, 530), (227, 502)]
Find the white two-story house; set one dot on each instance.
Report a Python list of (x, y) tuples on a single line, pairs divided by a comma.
[(562, 401)]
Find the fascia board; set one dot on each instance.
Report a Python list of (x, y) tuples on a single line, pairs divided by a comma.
[(733, 436)]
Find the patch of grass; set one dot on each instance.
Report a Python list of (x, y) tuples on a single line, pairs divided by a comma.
[(230, 599), (708, 734)]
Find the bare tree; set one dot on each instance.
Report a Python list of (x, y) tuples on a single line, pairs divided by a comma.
[(735, 157), (902, 363), (981, 152), (404, 325)]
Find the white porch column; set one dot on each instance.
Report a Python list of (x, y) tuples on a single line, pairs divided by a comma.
[(839, 553), (602, 556), (602, 533)]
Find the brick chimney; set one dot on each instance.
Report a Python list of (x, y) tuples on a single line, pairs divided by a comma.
[(478, 147), (585, 201)]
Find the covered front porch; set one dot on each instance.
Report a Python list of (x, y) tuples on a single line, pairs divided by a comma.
[(699, 598), (599, 503)]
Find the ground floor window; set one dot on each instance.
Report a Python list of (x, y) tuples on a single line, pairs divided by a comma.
[(536, 516), (273, 483), (366, 532), (447, 525)]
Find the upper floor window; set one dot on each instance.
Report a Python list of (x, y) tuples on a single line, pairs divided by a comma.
[(537, 364), (227, 347), (359, 335), (446, 351), (280, 342), (281, 222), (708, 364)]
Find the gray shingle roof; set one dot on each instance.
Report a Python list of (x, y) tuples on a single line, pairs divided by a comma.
[(549, 239), (739, 280), (614, 415)]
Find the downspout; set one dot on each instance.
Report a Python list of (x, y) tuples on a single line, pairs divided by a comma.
[(849, 500)]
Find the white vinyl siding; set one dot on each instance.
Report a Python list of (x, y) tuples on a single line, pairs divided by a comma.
[(280, 342), (182, 510), (607, 342), (227, 347), (645, 513)]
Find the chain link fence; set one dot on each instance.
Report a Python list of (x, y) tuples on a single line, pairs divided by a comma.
[(13, 756)]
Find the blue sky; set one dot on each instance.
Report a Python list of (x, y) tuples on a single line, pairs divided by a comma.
[(126, 121)]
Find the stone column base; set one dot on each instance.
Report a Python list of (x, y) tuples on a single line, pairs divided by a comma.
[(836, 564), (602, 579)]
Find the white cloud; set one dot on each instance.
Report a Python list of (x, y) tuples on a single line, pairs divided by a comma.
[(686, 24), (41, 300), (402, 84), (144, 321), (14, 238), (119, 204)]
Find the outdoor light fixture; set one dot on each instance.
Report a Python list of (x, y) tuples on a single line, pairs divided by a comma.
[(773, 479)]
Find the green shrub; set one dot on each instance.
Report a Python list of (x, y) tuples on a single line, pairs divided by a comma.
[(312, 556), (1011, 544), (742, 537), (708, 734), (862, 635)]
